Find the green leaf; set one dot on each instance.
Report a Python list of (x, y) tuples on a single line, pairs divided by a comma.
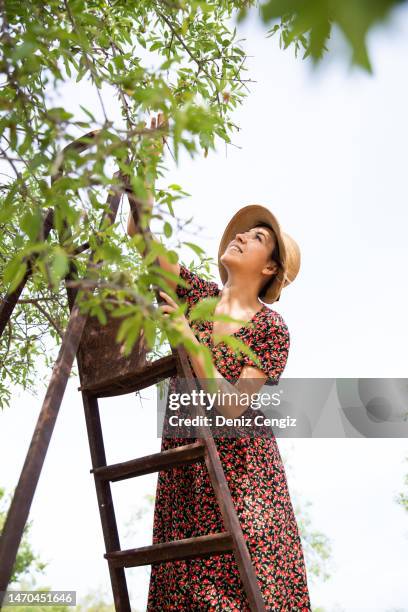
[(31, 224), (59, 265), (194, 247), (156, 45), (24, 50), (87, 112), (172, 256), (149, 328), (99, 312), (168, 230), (109, 252), (14, 273), (161, 272), (132, 335), (7, 209), (59, 114), (122, 311), (204, 309), (129, 328)]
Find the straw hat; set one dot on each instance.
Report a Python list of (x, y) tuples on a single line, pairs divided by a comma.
[(289, 252)]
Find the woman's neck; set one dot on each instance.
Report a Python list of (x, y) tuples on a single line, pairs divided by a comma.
[(238, 299)]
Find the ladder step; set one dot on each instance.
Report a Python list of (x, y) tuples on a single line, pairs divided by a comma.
[(151, 463), (139, 378), (201, 546)]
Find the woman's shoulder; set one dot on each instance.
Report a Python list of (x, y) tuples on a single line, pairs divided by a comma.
[(272, 320), (270, 342)]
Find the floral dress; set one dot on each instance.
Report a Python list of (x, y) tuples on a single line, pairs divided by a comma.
[(186, 505)]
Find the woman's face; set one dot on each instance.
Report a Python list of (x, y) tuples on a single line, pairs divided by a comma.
[(251, 251)]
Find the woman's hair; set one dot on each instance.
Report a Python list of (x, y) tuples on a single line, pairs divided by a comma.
[(275, 256)]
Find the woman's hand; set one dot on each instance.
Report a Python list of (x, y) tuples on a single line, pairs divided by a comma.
[(180, 322), (157, 123), (154, 144)]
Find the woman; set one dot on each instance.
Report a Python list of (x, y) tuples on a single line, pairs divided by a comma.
[(256, 259)]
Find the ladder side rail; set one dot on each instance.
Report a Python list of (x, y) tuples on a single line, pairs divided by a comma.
[(23, 496), (105, 501), (224, 498), (233, 526)]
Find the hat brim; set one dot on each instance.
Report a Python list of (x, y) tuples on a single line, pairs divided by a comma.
[(247, 217)]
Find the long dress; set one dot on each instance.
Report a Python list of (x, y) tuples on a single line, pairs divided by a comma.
[(186, 505)]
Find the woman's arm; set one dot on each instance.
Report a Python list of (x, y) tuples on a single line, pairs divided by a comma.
[(250, 381), (165, 264)]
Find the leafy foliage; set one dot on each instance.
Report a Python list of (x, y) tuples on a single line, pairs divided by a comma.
[(26, 561), (317, 547), (179, 58), (307, 24)]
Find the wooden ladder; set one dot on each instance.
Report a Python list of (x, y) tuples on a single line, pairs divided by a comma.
[(135, 379), (105, 372)]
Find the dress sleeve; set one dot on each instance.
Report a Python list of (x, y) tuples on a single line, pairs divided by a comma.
[(198, 289), (271, 345)]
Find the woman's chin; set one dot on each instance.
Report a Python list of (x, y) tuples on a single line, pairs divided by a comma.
[(229, 256)]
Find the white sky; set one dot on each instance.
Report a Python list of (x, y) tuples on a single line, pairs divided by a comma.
[(326, 152)]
